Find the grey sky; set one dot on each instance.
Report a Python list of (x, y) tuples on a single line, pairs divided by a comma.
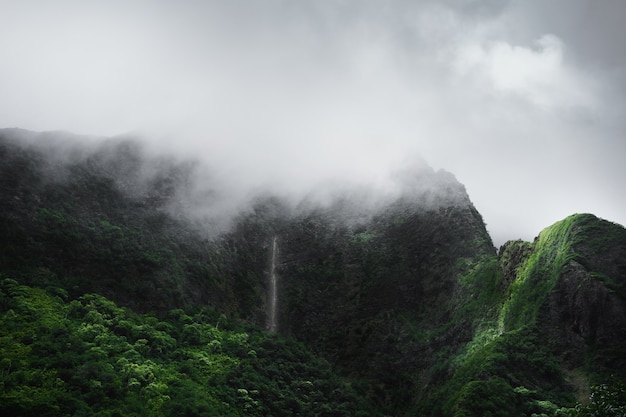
[(524, 101)]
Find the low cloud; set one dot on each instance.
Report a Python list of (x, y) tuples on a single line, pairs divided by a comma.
[(537, 74), (513, 97)]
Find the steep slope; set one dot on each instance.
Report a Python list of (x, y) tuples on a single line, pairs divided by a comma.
[(572, 285), (384, 292), (586, 311), (561, 328), (96, 217)]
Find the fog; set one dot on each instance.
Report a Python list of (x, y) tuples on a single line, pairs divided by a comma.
[(523, 101)]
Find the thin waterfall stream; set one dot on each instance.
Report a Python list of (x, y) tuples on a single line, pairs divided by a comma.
[(272, 316)]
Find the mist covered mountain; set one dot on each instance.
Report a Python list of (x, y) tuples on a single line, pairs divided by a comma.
[(346, 301)]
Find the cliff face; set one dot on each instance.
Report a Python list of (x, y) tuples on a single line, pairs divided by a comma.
[(568, 288), (404, 295), (586, 311), (379, 291), (579, 266)]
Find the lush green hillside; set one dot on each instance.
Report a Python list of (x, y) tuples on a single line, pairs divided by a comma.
[(115, 301), (560, 330), (89, 357)]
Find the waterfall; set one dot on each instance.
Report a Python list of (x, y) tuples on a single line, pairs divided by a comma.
[(272, 319)]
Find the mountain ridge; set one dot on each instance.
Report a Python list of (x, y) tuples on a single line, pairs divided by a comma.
[(407, 297)]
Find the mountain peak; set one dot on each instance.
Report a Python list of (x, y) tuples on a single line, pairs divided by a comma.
[(395, 285)]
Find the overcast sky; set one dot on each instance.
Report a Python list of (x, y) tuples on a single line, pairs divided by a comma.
[(523, 101)]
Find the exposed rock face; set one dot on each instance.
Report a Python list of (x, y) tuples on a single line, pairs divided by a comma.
[(582, 312), (510, 257), (582, 266), (587, 308)]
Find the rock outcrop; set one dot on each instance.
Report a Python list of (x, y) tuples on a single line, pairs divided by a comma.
[(586, 310)]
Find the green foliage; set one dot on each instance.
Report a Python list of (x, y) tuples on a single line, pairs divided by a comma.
[(90, 357), (538, 275), (488, 398), (508, 368), (606, 400), (582, 238), (516, 367)]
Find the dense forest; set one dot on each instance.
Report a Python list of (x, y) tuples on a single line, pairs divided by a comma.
[(119, 296), (90, 357)]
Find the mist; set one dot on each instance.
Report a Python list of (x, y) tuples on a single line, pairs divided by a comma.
[(523, 101)]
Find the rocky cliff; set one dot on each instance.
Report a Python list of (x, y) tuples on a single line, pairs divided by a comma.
[(379, 297), (581, 310)]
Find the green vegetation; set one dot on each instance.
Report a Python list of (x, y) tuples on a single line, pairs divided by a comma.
[(582, 238), (100, 224), (510, 367), (538, 275), (517, 367), (606, 400), (89, 357)]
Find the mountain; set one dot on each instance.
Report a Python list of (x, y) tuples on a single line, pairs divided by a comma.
[(353, 303)]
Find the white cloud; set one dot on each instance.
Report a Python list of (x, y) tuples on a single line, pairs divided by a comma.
[(537, 74), (296, 92)]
